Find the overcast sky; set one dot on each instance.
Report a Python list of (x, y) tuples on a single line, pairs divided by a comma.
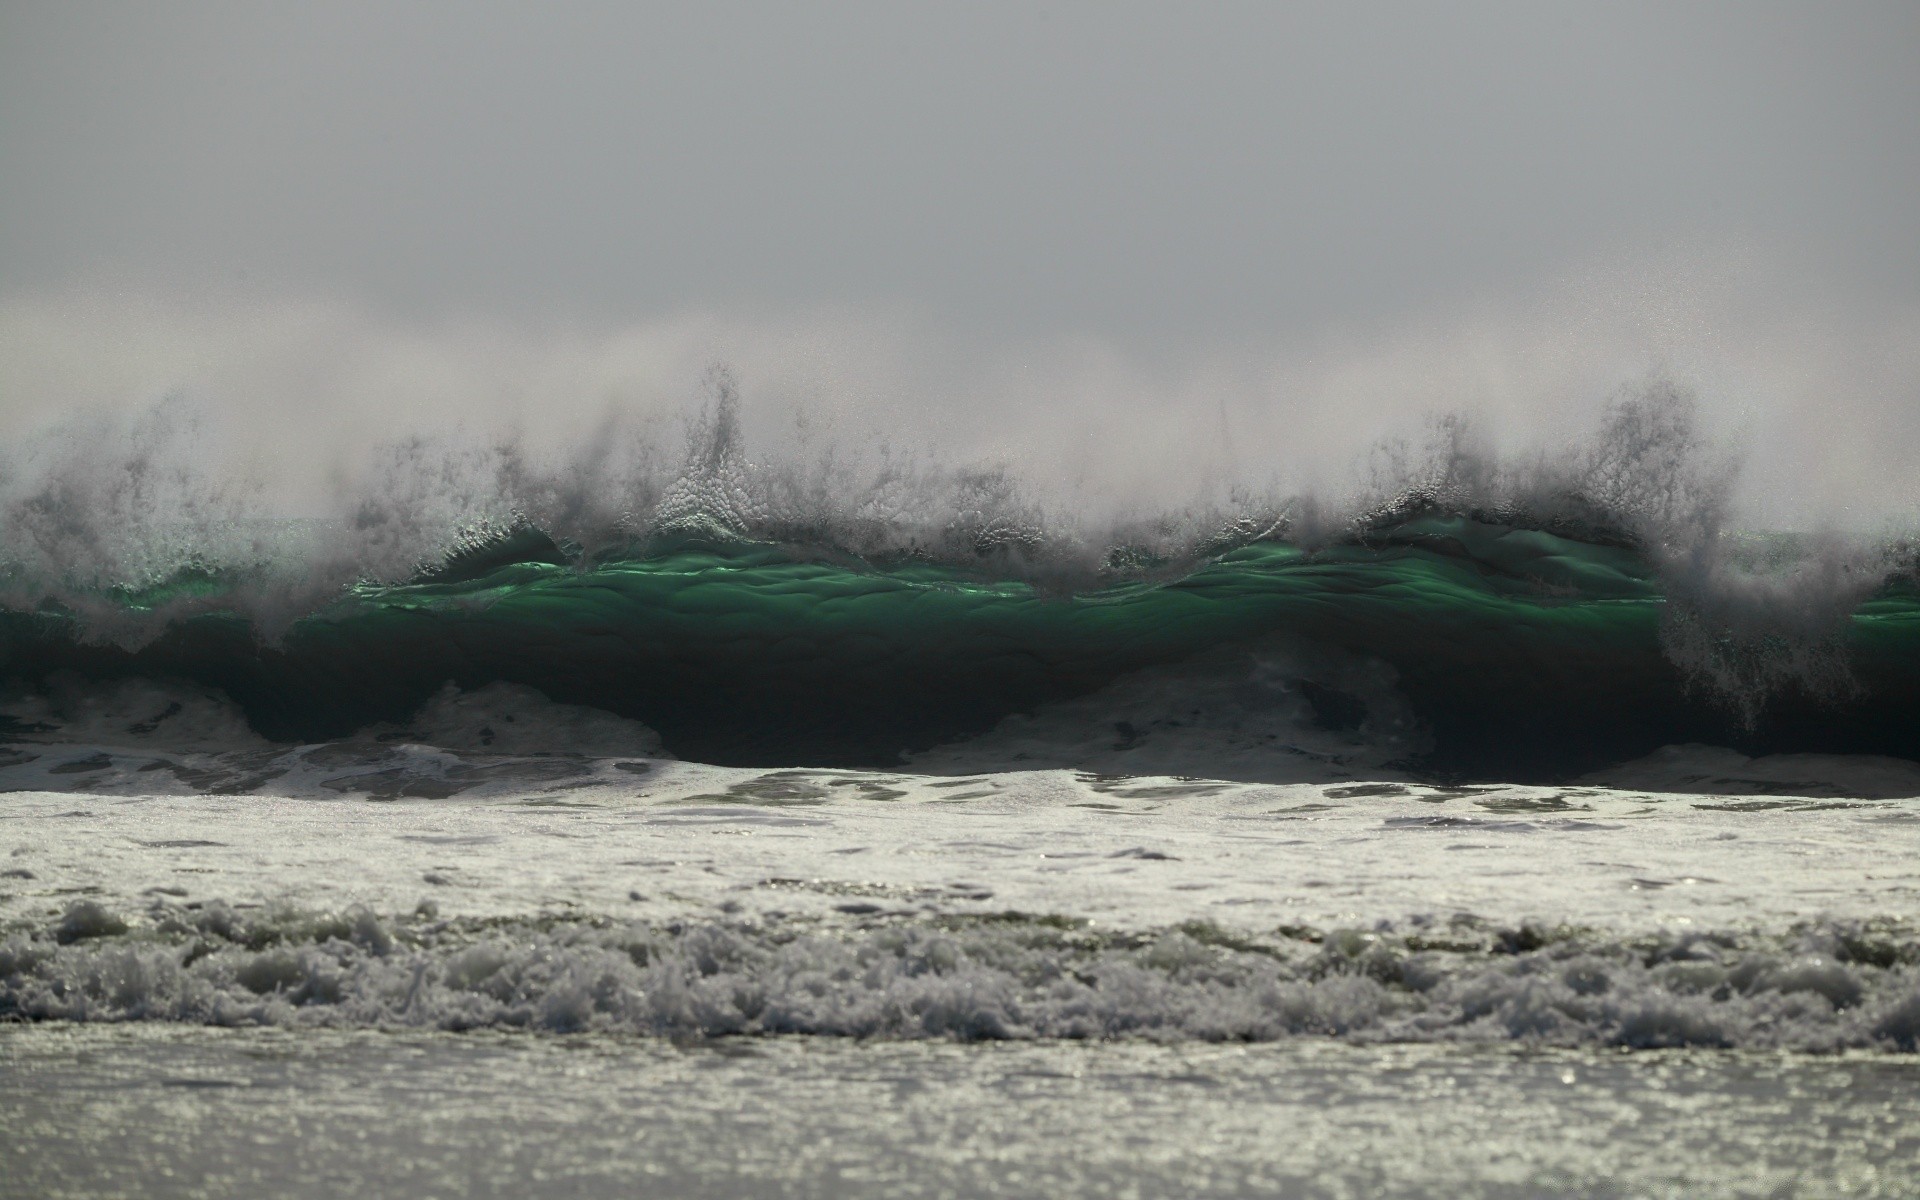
[(1149, 184)]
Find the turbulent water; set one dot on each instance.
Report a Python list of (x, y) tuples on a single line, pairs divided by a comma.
[(1445, 644), (1540, 755), (1439, 644), (1467, 618)]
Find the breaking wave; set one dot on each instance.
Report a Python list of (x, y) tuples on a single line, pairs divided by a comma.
[(1461, 614)]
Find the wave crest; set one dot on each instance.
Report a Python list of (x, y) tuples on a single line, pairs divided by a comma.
[(122, 532)]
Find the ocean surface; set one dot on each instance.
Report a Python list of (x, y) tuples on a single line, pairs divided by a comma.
[(1498, 833)]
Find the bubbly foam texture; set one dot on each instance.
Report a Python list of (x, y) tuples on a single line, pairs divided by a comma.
[(1822, 987), (414, 886)]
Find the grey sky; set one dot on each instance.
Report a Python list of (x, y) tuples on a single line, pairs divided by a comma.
[(1144, 171), (1295, 226)]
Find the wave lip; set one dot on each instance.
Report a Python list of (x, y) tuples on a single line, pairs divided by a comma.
[(1443, 646)]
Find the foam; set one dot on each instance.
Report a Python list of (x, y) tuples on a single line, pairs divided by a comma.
[(492, 837), (1822, 987)]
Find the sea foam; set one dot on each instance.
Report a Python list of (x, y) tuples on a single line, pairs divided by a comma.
[(1821, 987)]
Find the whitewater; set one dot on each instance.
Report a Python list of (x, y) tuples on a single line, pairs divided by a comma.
[(1510, 826)]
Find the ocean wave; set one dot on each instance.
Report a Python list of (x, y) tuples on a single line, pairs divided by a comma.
[(1467, 615), (122, 516), (1443, 647)]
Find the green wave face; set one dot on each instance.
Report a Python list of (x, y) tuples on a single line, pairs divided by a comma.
[(1521, 654)]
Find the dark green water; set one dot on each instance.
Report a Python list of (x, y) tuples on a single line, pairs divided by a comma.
[(1522, 654)]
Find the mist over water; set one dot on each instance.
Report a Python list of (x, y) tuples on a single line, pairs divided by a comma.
[(301, 463), (144, 438), (304, 402)]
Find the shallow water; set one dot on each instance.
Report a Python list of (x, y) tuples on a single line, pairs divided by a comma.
[(692, 901), (163, 1111), (389, 968)]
